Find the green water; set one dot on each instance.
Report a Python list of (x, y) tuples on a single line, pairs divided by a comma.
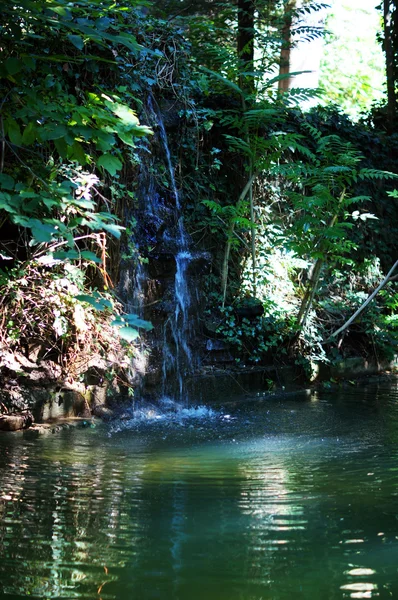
[(276, 499)]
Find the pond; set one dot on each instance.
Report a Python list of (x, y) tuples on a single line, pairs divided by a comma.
[(273, 499)]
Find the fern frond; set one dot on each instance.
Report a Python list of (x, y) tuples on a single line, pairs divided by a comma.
[(259, 116), (376, 174), (238, 144), (313, 131)]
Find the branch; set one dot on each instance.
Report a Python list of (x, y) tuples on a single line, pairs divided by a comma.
[(234, 233), (365, 304)]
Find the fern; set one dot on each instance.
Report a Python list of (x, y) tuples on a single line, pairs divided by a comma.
[(239, 144), (376, 174)]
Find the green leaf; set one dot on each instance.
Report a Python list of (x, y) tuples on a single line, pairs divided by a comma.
[(90, 256), (125, 113), (6, 182), (60, 10), (129, 41), (105, 141), (126, 137), (135, 320), (95, 301), (110, 163), (62, 147), (42, 232), (7, 204), (13, 66), (226, 82), (131, 320), (69, 255), (76, 152), (278, 78), (128, 333), (115, 230), (29, 134), (53, 132), (14, 132), (29, 62), (77, 41)]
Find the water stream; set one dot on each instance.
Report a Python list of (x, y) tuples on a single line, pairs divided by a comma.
[(177, 355), (273, 499)]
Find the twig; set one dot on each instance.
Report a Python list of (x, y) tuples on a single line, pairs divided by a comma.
[(51, 248)]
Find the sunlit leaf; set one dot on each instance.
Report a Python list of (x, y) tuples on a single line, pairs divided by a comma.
[(128, 333)]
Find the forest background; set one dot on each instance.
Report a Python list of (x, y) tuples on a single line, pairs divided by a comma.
[(296, 209)]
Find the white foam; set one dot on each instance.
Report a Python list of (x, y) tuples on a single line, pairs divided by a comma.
[(167, 412)]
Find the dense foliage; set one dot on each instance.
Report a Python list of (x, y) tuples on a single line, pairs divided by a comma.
[(68, 131), (293, 207)]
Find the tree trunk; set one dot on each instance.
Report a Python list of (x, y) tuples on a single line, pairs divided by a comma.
[(390, 70), (309, 295), (231, 232), (285, 55), (245, 42)]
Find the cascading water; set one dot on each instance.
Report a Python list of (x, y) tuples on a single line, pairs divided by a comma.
[(177, 359)]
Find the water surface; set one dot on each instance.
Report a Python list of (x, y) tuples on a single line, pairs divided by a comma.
[(265, 500)]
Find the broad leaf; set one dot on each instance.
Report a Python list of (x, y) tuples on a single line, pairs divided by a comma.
[(77, 41), (13, 65), (14, 132), (128, 333), (6, 182), (110, 163), (29, 134), (95, 301)]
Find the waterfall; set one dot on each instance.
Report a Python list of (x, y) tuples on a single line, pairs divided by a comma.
[(177, 359)]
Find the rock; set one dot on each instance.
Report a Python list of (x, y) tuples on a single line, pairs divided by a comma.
[(217, 351), (200, 264), (162, 265), (36, 431), (153, 377), (16, 422), (215, 345), (42, 429), (103, 412)]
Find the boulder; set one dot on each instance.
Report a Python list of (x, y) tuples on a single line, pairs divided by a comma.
[(16, 422)]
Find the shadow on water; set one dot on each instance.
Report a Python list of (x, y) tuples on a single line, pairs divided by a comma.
[(271, 499)]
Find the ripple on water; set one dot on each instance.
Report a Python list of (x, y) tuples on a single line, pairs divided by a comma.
[(280, 500)]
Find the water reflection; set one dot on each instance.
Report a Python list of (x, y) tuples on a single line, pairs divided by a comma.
[(293, 499)]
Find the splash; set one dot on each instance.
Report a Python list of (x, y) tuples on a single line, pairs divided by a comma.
[(166, 413)]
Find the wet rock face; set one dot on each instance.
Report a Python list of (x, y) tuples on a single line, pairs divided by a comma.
[(162, 266), (16, 422), (217, 352)]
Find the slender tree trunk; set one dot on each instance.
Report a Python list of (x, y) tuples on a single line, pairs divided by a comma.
[(312, 287), (245, 42), (286, 35), (253, 235), (245, 48), (309, 294), (231, 232), (390, 70)]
